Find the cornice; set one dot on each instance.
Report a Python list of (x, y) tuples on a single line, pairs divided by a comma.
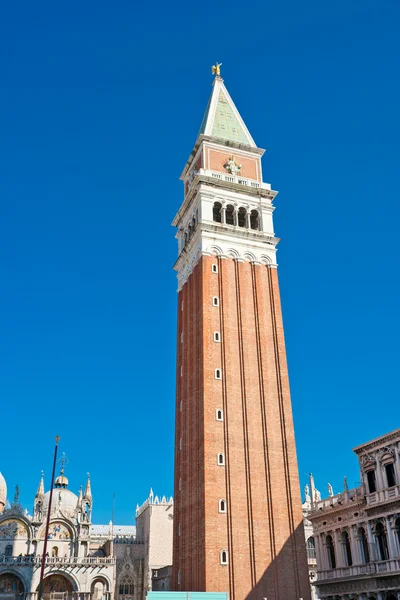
[(383, 506), (336, 510), (377, 442)]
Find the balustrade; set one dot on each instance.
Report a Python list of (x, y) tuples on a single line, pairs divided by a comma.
[(234, 179), (383, 495), (57, 560), (382, 566)]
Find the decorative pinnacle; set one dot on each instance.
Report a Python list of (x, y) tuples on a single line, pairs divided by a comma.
[(63, 461), (216, 70)]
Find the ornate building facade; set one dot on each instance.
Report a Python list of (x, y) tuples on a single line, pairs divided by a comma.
[(238, 522), (84, 561), (310, 492), (357, 532)]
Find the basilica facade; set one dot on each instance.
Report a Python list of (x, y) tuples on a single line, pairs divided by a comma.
[(84, 561)]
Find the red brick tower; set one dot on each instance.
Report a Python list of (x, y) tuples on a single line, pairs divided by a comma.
[(237, 514)]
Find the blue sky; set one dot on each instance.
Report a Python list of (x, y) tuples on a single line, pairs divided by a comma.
[(99, 109)]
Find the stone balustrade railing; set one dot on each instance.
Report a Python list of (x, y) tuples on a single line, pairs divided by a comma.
[(382, 566), (383, 495), (57, 560), (343, 498), (235, 179)]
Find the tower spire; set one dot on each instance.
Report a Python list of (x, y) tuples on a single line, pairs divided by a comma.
[(88, 489), (40, 490), (222, 119), (79, 502)]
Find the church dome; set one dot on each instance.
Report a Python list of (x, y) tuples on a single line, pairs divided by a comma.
[(64, 502), (3, 490), (61, 481)]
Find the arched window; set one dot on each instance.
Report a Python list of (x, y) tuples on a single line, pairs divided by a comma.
[(215, 301), (224, 557), (347, 549), (9, 550), (222, 506), (219, 415), (54, 551), (330, 549), (217, 337), (214, 268), (126, 586), (217, 212), (242, 217), (221, 459), (254, 220), (381, 541), (363, 543), (311, 548), (230, 215), (218, 374)]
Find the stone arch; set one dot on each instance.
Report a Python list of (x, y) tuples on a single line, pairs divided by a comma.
[(15, 528), (232, 253), (60, 579), (99, 586), (59, 535), (216, 250), (265, 260), (381, 541), (126, 585), (104, 578), (249, 256), (11, 581)]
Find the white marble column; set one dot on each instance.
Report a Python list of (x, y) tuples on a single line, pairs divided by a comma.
[(235, 215), (340, 561), (354, 545), (248, 219), (371, 542), (319, 549), (391, 540), (379, 476), (223, 211)]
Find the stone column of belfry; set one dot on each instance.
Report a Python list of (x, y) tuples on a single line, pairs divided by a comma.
[(237, 517)]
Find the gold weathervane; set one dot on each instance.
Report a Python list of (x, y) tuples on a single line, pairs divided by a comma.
[(215, 69)]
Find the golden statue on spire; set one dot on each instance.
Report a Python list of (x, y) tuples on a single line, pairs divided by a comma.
[(215, 69)]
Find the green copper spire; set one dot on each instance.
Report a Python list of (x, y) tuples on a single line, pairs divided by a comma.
[(222, 119)]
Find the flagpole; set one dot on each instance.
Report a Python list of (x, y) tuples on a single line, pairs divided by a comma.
[(47, 522)]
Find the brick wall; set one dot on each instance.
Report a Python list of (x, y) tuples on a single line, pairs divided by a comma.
[(262, 529)]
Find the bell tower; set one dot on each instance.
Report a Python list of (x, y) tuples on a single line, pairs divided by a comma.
[(238, 518)]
